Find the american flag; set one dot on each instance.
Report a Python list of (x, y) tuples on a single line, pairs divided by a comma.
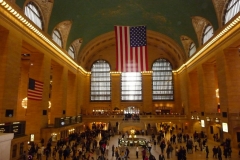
[(131, 48), (35, 89)]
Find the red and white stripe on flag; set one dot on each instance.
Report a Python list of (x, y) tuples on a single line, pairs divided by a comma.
[(35, 89), (131, 48)]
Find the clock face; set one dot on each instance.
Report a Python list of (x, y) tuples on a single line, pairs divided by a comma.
[(62, 123)]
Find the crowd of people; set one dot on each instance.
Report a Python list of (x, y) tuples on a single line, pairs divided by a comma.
[(88, 144), (76, 145)]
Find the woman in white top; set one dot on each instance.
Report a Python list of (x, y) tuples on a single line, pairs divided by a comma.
[(137, 152), (107, 148)]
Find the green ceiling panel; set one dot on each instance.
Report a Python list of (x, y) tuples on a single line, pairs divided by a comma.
[(92, 18)]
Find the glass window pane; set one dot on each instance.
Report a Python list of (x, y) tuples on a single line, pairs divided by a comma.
[(131, 86), (162, 80), (71, 52), (100, 81), (31, 11), (232, 9), (56, 36), (192, 49), (208, 33)]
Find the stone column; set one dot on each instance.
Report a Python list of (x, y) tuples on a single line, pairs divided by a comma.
[(147, 93), (10, 58), (59, 92), (35, 117), (194, 101), (228, 64), (23, 86), (210, 84), (71, 95), (82, 98), (183, 85), (116, 90)]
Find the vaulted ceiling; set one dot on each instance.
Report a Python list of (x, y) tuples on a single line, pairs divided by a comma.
[(93, 18)]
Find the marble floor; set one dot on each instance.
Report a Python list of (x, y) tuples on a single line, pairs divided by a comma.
[(198, 155)]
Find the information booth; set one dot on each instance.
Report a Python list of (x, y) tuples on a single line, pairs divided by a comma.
[(132, 142)]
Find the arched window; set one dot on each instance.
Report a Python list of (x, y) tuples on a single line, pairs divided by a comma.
[(56, 36), (131, 86), (207, 34), (71, 52), (100, 81), (192, 49), (162, 80), (32, 12), (233, 7)]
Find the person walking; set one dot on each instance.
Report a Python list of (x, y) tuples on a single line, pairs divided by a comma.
[(219, 153), (144, 153), (215, 151), (137, 152), (113, 148), (161, 157), (168, 150), (116, 153), (154, 143), (207, 151)]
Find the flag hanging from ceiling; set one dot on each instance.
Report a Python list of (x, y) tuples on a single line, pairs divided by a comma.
[(131, 48), (35, 89)]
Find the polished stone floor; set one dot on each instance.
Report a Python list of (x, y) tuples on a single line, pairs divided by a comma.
[(198, 155)]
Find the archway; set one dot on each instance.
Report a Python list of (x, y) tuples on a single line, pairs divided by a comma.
[(131, 113)]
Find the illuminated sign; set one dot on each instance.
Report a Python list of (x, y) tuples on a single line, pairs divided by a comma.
[(31, 137), (225, 127), (202, 123)]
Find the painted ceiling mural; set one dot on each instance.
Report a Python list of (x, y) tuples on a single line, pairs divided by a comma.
[(92, 18)]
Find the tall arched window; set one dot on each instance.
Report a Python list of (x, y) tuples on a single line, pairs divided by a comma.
[(56, 36), (207, 34), (162, 80), (233, 7), (131, 86), (192, 49), (71, 52), (32, 12), (100, 81)]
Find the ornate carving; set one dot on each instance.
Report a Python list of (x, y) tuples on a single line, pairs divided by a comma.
[(186, 42), (219, 6), (46, 10), (199, 24), (64, 28), (76, 45)]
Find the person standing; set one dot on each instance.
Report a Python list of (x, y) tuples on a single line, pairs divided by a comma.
[(127, 153), (215, 151), (168, 151), (149, 147), (162, 146), (161, 157), (39, 153), (107, 149), (113, 150), (144, 153), (116, 153), (137, 152), (154, 143), (219, 153), (60, 153), (207, 151)]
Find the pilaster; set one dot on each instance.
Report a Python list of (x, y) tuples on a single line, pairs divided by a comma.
[(10, 57), (147, 93), (59, 92)]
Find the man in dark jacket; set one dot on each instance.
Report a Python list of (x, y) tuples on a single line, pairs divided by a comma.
[(161, 157)]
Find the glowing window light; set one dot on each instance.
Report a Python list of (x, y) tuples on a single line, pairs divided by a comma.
[(25, 100)]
